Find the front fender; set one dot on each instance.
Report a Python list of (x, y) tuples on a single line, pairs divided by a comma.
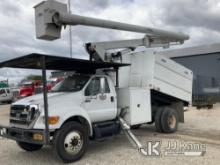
[(79, 113), (64, 116)]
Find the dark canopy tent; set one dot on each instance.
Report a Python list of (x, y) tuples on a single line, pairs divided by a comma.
[(50, 62), (34, 61)]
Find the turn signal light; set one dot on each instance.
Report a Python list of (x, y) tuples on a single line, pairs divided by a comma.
[(38, 137), (52, 120)]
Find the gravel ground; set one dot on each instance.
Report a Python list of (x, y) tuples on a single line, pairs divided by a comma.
[(201, 126)]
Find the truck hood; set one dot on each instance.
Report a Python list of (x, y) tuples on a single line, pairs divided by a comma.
[(53, 98)]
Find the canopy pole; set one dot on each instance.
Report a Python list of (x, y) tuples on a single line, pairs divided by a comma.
[(44, 74), (117, 77)]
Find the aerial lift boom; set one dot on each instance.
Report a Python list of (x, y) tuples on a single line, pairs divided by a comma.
[(51, 15), (98, 50)]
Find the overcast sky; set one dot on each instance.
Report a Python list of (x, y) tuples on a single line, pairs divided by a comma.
[(198, 18)]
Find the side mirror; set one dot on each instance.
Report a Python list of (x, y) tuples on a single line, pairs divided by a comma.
[(102, 85)]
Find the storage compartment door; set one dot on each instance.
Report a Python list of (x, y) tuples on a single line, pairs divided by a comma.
[(140, 106)]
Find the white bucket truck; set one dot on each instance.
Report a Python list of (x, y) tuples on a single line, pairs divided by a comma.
[(106, 101)]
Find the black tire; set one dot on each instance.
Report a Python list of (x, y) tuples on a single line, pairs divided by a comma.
[(9, 102), (60, 147), (136, 126), (169, 120), (209, 106), (150, 123), (29, 146), (157, 119)]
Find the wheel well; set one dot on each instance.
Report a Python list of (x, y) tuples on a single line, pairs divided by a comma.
[(80, 120), (159, 99)]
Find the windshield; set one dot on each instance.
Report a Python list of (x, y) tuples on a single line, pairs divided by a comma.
[(26, 85), (71, 84), (2, 91)]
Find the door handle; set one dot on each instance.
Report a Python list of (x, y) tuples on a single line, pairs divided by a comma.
[(112, 99)]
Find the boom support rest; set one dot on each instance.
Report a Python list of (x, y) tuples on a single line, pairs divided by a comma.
[(98, 50)]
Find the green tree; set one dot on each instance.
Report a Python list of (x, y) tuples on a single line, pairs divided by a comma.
[(34, 77)]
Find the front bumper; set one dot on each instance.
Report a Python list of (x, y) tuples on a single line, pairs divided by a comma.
[(23, 135)]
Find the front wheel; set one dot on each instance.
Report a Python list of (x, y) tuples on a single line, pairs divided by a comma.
[(70, 142), (29, 146)]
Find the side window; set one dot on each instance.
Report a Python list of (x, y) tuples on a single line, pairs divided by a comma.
[(107, 89), (2, 91), (94, 87)]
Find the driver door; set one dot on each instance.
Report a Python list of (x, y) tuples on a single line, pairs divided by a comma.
[(100, 102)]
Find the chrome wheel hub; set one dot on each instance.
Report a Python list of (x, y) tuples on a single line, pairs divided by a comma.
[(73, 142), (172, 121)]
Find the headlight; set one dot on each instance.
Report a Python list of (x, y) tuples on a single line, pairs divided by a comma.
[(33, 112)]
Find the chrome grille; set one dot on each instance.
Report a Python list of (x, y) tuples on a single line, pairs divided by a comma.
[(22, 115)]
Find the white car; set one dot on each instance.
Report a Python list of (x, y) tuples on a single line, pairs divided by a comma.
[(6, 95)]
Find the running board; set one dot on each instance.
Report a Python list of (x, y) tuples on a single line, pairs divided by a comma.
[(131, 137)]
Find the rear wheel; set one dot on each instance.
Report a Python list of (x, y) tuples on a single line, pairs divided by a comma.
[(169, 120), (70, 142), (29, 146), (209, 106), (157, 119)]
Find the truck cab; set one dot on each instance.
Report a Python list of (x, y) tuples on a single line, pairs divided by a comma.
[(28, 88), (88, 99), (92, 97), (6, 95)]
